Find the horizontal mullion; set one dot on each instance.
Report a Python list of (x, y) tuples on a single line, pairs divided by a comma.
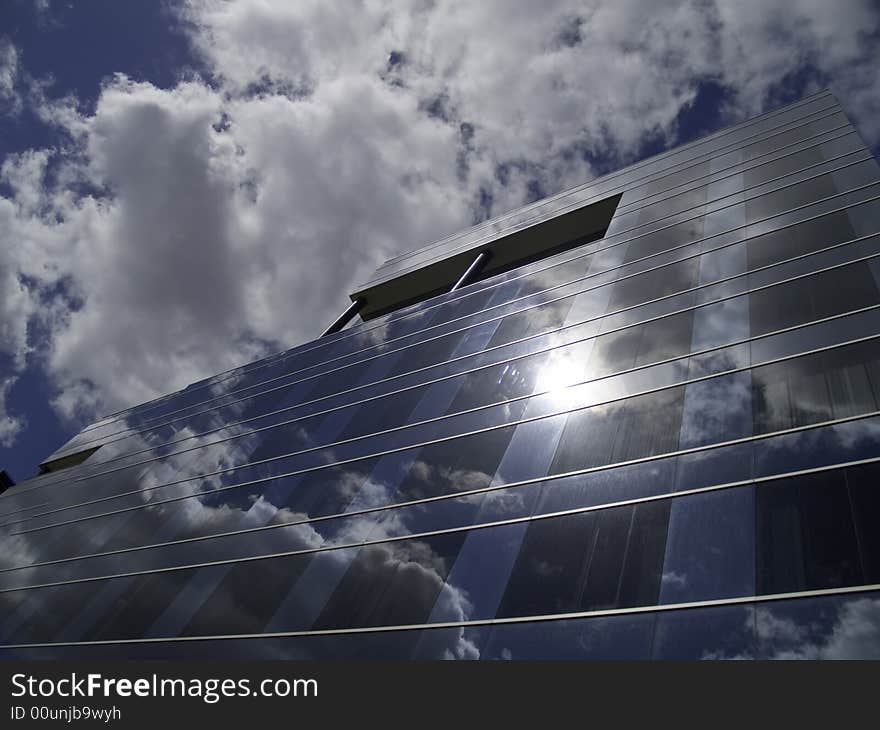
[(92, 469), (753, 439), (740, 197), (673, 493), (419, 342), (384, 452), (99, 470), (574, 205), (714, 178), (475, 623), (419, 535), (680, 358), (738, 168), (707, 154), (641, 322), (89, 469), (834, 109), (596, 191), (556, 263)]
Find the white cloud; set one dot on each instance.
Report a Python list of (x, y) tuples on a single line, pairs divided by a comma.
[(10, 426), (848, 630), (766, 42), (10, 102), (174, 233)]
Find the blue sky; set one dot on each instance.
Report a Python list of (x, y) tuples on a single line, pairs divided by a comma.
[(187, 186)]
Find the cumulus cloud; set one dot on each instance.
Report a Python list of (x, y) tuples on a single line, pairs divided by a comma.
[(848, 628), (10, 102), (10, 426), (174, 233)]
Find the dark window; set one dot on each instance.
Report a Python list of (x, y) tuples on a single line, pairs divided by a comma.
[(389, 411), (805, 534), (594, 560), (819, 387), (531, 322), (786, 243), (65, 462), (237, 606), (671, 205), (648, 244), (426, 354), (615, 351), (783, 166), (669, 180), (666, 338), (549, 277), (546, 577), (640, 426), (717, 632), (642, 345), (865, 499), (455, 465), (392, 583), (604, 637), (132, 605), (654, 284), (773, 203), (710, 551), (813, 297)]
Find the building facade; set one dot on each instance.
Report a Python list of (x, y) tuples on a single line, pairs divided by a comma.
[(645, 425)]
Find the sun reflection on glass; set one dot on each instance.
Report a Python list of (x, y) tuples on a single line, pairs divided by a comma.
[(558, 374)]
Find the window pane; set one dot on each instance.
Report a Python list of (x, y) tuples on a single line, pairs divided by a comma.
[(831, 627), (654, 284), (664, 239), (808, 299), (710, 551), (546, 577), (819, 387), (605, 637), (812, 235), (717, 409), (787, 198), (639, 426), (805, 534), (393, 583), (865, 501), (719, 632)]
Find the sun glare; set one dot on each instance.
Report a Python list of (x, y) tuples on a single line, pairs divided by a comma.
[(558, 374)]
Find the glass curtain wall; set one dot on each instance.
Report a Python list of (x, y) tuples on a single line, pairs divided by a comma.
[(659, 444)]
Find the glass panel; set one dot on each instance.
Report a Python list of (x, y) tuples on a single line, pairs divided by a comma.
[(819, 387), (808, 191), (802, 238), (806, 299), (587, 561), (831, 627), (717, 632), (654, 284), (637, 427), (865, 502), (611, 637), (710, 551), (805, 534), (393, 583)]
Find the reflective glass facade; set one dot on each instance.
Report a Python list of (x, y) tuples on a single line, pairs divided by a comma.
[(663, 443)]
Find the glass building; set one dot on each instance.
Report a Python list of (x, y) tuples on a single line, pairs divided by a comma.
[(638, 419)]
